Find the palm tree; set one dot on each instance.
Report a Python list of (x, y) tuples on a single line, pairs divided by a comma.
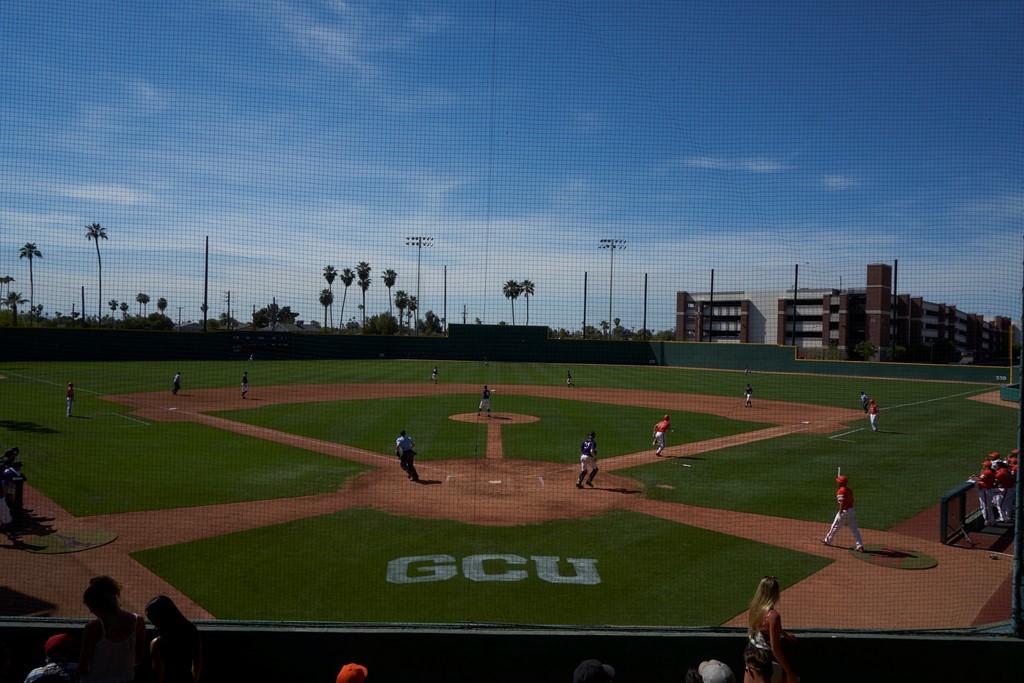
[(401, 301), (412, 304), (96, 233), (12, 301), (512, 290), (389, 278), (124, 310), (161, 305), (363, 272), (326, 299), (330, 273), (347, 278), (527, 287), (7, 280), (113, 303), (30, 251), (143, 300)]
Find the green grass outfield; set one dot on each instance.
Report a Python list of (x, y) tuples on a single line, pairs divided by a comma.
[(105, 460)]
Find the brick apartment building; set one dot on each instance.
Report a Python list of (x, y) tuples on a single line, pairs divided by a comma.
[(822, 317)]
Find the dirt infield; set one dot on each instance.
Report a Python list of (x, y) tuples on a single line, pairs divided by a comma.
[(496, 491)]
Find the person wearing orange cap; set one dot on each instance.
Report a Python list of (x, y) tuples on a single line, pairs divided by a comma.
[(844, 515), (985, 482), (352, 673), (659, 434)]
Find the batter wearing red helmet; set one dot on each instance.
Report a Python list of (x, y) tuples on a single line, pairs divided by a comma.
[(845, 515)]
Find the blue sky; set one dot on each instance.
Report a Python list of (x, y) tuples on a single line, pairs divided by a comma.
[(744, 137)]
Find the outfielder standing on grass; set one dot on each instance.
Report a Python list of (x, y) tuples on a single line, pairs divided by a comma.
[(404, 450), (588, 458), (71, 397), (845, 515), (659, 434)]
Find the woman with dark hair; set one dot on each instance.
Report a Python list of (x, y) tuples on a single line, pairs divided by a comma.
[(177, 651), (113, 643)]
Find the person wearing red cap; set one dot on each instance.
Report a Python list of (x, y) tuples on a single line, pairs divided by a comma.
[(985, 482), (845, 514), (58, 649), (352, 673), (659, 434), (70, 393), (1006, 488)]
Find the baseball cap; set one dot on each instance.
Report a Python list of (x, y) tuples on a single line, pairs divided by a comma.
[(352, 673), (58, 645), (713, 671), (841, 479), (666, 417), (593, 671)]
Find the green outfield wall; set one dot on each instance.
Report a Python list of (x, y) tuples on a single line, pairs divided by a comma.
[(464, 342)]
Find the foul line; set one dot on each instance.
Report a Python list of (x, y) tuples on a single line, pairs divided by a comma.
[(129, 417)]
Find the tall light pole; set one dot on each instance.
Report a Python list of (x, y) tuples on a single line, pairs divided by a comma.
[(419, 242), (611, 245)]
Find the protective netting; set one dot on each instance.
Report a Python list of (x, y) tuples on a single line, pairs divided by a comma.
[(398, 167)]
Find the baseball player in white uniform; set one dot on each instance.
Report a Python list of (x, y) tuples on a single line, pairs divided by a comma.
[(588, 458)]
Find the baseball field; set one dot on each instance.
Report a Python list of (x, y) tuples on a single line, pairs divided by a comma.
[(289, 505)]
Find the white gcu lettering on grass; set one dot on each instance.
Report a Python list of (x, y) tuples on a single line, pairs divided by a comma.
[(429, 568)]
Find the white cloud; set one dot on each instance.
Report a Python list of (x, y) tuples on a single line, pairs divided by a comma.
[(751, 165), (115, 194), (839, 182)]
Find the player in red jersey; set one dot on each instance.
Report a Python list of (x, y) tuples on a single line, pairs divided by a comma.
[(846, 514), (659, 434)]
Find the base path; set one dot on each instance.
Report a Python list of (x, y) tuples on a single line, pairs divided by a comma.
[(498, 491)]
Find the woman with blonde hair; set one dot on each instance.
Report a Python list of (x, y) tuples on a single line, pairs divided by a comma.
[(764, 629)]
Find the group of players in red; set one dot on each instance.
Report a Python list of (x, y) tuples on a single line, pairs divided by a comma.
[(997, 487)]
